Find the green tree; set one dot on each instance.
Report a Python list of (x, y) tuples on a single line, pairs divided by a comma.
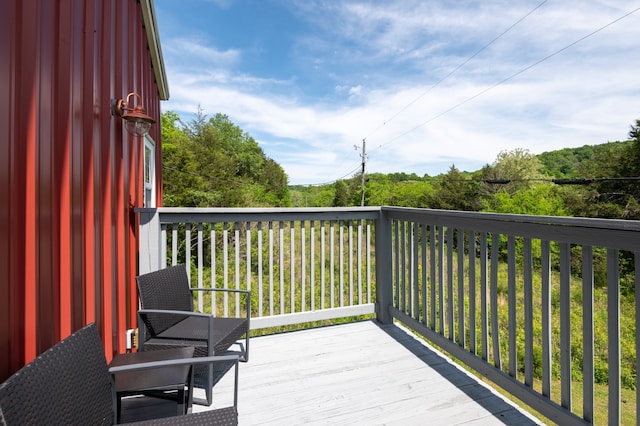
[(213, 163), (341, 197), (543, 199), (455, 191), (517, 169)]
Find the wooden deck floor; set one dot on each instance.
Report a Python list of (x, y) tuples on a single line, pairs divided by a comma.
[(359, 374)]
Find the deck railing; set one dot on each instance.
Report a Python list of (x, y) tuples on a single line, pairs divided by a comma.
[(301, 265), (498, 292)]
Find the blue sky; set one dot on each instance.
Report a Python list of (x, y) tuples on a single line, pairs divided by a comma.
[(428, 84)]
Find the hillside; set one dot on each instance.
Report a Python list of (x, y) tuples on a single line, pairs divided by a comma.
[(517, 182), (576, 162)]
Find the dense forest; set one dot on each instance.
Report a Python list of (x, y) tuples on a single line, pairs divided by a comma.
[(211, 162)]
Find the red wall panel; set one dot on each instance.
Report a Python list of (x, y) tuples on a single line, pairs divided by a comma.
[(70, 176)]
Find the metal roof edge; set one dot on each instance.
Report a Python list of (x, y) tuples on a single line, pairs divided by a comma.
[(153, 39)]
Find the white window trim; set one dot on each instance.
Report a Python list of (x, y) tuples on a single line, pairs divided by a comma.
[(150, 144)]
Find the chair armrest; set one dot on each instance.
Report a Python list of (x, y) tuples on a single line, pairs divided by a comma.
[(228, 290), (173, 363), (172, 312)]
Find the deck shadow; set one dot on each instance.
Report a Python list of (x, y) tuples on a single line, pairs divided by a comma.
[(465, 381)]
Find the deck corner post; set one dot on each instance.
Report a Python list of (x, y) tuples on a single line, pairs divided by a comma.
[(384, 281), (149, 239)]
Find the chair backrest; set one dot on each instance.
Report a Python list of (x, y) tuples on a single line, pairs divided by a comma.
[(165, 289), (67, 384)]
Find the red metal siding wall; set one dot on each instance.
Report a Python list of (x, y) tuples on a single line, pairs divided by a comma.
[(70, 175)]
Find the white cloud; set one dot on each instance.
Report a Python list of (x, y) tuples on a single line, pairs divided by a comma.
[(380, 64)]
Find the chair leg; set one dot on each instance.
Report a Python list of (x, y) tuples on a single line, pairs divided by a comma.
[(209, 392)]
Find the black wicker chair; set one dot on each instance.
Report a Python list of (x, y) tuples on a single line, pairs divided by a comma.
[(166, 320), (70, 384)]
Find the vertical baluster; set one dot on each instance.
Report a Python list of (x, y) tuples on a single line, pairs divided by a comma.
[(174, 245), (260, 272), (212, 261), (237, 243), (281, 266), (303, 264), (225, 266), (511, 297), (163, 246), (441, 261), (213, 268), (271, 285), (322, 265), (432, 270), (200, 268), (396, 240), (528, 313), (495, 330), (450, 298), (368, 261), (613, 333), (415, 290), (332, 244), (545, 258), (484, 305), (187, 246), (350, 231), (423, 247), (565, 324), (473, 345), (312, 264), (292, 266), (248, 262), (409, 268), (403, 266), (341, 260), (461, 312), (359, 262), (587, 334)]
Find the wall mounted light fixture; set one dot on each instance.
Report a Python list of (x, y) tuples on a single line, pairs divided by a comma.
[(137, 122)]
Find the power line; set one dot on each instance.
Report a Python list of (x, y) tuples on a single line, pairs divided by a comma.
[(558, 181), (482, 92), (350, 173), (438, 82), (456, 68)]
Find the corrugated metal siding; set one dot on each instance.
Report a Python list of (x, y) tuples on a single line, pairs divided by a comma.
[(70, 175)]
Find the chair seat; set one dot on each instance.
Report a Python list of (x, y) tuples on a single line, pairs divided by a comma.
[(192, 331)]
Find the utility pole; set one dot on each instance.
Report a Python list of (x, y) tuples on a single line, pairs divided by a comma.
[(364, 161)]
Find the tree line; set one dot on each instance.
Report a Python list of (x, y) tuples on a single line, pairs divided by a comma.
[(590, 181), (211, 162)]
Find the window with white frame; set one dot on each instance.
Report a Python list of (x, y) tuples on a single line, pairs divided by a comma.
[(149, 172)]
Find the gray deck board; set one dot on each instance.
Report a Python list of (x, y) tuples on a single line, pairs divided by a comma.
[(359, 373)]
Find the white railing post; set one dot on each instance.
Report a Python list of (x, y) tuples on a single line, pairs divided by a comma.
[(149, 240)]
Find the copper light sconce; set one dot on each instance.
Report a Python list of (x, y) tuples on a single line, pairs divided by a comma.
[(137, 122)]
